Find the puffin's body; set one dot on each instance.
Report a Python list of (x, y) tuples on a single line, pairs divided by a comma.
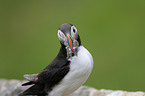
[(67, 72)]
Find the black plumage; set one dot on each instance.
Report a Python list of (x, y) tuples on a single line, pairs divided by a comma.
[(45, 81), (50, 76)]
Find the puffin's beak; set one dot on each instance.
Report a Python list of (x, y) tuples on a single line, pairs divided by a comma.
[(70, 41)]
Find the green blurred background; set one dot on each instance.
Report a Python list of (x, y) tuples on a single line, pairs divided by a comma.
[(112, 30)]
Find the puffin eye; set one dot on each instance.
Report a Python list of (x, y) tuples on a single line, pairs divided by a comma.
[(74, 32)]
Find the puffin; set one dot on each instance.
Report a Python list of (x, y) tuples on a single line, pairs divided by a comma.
[(67, 72)]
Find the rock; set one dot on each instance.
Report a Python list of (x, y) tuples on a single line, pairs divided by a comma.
[(13, 88)]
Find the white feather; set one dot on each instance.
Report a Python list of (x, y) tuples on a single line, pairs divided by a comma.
[(80, 69)]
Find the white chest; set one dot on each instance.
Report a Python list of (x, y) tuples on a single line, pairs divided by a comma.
[(80, 69), (81, 65)]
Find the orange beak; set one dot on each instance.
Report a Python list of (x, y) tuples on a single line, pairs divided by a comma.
[(69, 39)]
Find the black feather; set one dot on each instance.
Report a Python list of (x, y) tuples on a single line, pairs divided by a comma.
[(28, 83), (50, 76), (36, 89)]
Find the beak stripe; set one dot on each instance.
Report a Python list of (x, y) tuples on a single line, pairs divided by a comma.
[(70, 42)]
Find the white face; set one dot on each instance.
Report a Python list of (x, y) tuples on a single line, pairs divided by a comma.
[(62, 37)]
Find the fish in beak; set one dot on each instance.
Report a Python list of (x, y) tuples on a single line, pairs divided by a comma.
[(71, 46)]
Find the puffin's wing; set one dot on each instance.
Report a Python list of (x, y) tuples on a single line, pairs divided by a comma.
[(46, 80), (32, 77), (53, 76)]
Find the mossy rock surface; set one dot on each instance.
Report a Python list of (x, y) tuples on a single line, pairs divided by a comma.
[(13, 88)]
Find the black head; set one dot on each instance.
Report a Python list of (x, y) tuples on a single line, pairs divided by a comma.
[(68, 36), (68, 33)]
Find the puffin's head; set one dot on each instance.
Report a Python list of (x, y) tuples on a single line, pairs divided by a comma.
[(68, 36)]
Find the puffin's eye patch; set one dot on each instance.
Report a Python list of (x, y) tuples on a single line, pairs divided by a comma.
[(61, 36), (74, 32)]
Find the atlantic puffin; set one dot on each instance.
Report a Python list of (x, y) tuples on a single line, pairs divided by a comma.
[(67, 72)]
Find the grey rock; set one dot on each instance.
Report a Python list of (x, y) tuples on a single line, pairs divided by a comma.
[(13, 88)]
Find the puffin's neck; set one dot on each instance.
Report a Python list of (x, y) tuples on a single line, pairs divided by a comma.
[(62, 51)]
